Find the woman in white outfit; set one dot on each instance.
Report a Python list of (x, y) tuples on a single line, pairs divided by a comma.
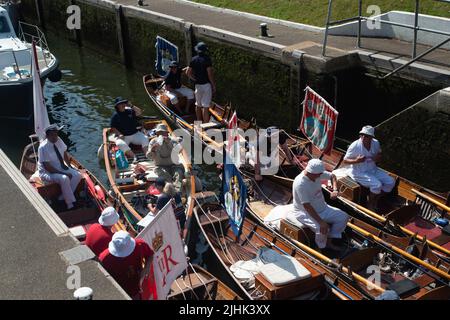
[(362, 156)]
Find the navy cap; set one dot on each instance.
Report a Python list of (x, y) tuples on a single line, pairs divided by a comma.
[(160, 182), (119, 100), (201, 47)]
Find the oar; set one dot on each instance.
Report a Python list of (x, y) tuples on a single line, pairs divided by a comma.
[(435, 202), (407, 255), (432, 244)]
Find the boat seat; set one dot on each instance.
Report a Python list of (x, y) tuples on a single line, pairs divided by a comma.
[(298, 232), (47, 190)]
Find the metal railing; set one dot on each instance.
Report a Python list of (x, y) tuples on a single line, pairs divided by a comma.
[(416, 28), (29, 33)]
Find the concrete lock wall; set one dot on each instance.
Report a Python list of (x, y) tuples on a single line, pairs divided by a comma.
[(390, 31), (416, 141)]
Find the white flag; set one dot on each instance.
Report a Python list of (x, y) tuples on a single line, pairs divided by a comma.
[(40, 110), (169, 260)]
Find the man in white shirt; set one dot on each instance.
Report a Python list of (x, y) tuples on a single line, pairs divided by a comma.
[(362, 156), (310, 207), (54, 165)]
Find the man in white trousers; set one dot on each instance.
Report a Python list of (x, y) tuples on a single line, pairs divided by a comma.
[(54, 165), (362, 156), (310, 207)]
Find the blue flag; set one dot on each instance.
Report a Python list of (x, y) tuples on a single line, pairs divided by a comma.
[(166, 52), (234, 196)]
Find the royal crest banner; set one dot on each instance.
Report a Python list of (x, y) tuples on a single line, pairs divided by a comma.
[(166, 52), (318, 121), (234, 196), (169, 259)]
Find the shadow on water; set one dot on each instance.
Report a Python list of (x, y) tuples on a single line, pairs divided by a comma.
[(83, 102)]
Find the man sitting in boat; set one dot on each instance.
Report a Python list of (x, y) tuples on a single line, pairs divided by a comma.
[(311, 209), (168, 194), (99, 234), (124, 125), (124, 259), (174, 88), (162, 149), (363, 155), (200, 70), (54, 165)]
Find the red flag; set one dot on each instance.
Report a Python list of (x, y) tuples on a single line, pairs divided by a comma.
[(318, 121)]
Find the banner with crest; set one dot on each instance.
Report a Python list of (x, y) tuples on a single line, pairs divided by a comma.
[(169, 259), (166, 52), (319, 120), (234, 196)]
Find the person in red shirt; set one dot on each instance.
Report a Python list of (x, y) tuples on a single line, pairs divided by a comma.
[(99, 234), (124, 259)]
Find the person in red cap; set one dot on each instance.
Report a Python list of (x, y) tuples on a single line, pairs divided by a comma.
[(99, 234), (124, 259)]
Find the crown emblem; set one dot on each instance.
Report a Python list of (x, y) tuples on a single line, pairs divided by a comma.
[(157, 241)]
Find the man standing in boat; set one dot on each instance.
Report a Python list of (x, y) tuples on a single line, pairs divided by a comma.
[(173, 88), (362, 156), (124, 125), (54, 165), (200, 70), (310, 207)]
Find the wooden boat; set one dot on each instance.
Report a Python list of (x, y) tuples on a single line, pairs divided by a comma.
[(199, 284), (410, 209), (413, 263), (329, 279), (130, 191), (196, 283), (205, 132), (91, 194)]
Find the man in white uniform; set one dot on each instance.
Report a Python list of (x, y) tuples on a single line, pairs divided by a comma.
[(310, 207), (362, 155), (53, 165)]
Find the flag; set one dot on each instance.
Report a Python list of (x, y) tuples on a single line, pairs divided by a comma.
[(169, 259), (318, 121), (234, 196), (233, 143), (166, 52), (39, 108)]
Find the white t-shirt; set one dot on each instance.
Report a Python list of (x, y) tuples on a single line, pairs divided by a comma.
[(357, 148), (46, 153), (307, 191)]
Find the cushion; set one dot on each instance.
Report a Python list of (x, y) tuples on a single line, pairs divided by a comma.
[(284, 270)]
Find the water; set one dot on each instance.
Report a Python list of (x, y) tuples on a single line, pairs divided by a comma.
[(83, 102)]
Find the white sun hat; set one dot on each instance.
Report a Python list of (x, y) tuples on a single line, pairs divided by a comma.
[(109, 217), (315, 166), (122, 244), (368, 130)]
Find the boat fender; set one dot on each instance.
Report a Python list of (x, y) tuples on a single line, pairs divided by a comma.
[(99, 193), (90, 184), (441, 222), (100, 153), (55, 75)]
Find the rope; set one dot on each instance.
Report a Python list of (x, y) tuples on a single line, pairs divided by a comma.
[(199, 278)]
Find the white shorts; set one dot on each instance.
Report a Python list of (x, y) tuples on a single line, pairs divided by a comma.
[(186, 92), (138, 138), (377, 181), (203, 95)]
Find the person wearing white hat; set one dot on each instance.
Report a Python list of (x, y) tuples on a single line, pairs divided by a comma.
[(54, 165), (362, 156), (164, 151), (124, 259), (310, 207), (100, 234)]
